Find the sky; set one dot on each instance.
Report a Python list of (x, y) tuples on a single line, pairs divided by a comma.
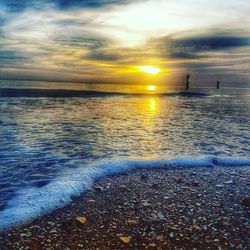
[(107, 41)]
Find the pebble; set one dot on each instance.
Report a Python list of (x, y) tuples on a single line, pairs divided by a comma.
[(91, 201), (193, 173), (155, 186), (145, 203), (25, 234), (160, 216), (219, 185), (246, 202), (98, 189), (218, 222), (144, 177), (122, 188), (195, 184), (233, 173), (228, 182), (171, 235), (178, 180)]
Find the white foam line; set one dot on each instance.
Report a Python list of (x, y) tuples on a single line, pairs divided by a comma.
[(32, 202)]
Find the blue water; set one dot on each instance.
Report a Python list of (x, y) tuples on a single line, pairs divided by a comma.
[(53, 148)]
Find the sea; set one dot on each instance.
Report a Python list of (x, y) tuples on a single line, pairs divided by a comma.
[(52, 148)]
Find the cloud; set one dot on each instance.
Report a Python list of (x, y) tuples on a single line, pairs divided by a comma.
[(11, 57), (199, 46), (64, 4), (100, 55), (96, 39), (212, 42), (18, 6), (84, 40)]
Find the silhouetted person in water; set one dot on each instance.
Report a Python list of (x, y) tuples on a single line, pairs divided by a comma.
[(218, 84), (187, 84)]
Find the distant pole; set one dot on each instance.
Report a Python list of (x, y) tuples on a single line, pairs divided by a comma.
[(218, 84), (187, 83)]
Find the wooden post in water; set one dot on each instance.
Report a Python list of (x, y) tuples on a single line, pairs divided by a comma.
[(187, 83), (218, 84)]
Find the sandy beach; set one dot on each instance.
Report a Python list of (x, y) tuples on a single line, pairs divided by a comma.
[(205, 208)]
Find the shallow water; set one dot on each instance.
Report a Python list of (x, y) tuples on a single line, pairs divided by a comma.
[(45, 139)]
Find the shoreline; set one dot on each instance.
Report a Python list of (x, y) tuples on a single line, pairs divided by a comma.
[(148, 209)]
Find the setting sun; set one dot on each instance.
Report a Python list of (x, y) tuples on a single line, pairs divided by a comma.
[(149, 69), (151, 88)]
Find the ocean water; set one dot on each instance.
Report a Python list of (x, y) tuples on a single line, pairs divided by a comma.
[(52, 149)]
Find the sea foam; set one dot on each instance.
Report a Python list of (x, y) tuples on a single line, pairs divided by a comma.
[(32, 202)]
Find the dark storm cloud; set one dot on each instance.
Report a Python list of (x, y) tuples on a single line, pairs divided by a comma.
[(175, 53), (64, 4), (2, 21), (8, 57), (99, 55), (194, 47), (20, 5), (213, 42), (86, 41)]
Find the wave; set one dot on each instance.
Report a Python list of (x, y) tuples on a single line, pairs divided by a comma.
[(33, 92), (32, 202)]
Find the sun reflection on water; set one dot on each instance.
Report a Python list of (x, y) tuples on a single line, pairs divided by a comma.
[(152, 105), (151, 108)]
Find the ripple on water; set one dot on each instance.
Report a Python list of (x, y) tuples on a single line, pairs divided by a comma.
[(44, 137)]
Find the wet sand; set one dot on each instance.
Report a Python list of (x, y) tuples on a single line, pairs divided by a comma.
[(205, 208)]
